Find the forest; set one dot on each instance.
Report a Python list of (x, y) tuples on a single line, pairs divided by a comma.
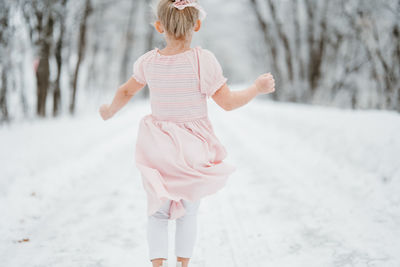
[(63, 56)]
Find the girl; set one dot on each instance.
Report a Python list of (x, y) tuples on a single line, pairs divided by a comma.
[(180, 158)]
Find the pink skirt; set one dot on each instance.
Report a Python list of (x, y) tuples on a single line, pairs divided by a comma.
[(179, 160)]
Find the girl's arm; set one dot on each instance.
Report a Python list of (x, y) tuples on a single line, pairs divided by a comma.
[(230, 100), (124, 93)]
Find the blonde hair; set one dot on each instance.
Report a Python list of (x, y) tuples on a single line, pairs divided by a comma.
[(177, 23)]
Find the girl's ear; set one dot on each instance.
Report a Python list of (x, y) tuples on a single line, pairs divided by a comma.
[(197, 26), (159, 26)]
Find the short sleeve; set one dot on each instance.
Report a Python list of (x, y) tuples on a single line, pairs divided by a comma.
[(138, 70), (211, 74)]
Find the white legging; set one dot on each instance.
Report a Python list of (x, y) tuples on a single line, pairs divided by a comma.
[(185, 235)]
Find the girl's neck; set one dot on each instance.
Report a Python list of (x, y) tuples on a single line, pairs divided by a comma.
[(176, 46)]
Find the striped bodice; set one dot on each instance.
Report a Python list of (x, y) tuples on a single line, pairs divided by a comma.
[(174, 87)]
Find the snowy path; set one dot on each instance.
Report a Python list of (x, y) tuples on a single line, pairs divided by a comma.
[(314, 187)]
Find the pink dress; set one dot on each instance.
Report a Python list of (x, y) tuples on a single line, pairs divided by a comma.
[(177, 152)]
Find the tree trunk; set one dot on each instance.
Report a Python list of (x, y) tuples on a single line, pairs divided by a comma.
[(316, 47), (298, 41), (128, 43), (3, 97), (58, 56), (284, 39), (269, 43), (81, 51), (149, 46), (4, 59), (43, 70)]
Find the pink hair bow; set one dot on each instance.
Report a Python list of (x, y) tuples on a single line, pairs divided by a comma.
[(181, 4)]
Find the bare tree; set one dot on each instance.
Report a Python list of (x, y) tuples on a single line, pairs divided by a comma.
[(129, 40), (40, 17), (269, 42), (81, 50), (332, 47), (5, 31), (58, 55), (150, 41), (283, 38), (316, 44)]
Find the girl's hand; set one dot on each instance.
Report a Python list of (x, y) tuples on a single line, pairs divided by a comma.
[(265, 83), (105, 112)]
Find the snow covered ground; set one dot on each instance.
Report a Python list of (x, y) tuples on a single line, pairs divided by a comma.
[(314, 187)]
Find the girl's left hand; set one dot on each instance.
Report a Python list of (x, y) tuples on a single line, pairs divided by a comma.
[(265, 83), (105, 112)]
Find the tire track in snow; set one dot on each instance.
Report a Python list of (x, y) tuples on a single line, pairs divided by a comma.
[(287, 203), (335, 201), (67, 204), (213, 247)]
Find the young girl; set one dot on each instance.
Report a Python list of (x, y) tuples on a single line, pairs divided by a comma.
[(180, 158)]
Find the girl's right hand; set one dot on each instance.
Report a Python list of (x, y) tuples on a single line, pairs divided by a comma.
[(265, 83), (105, 112)]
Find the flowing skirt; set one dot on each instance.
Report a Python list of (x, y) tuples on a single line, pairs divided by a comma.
[(179, 160)]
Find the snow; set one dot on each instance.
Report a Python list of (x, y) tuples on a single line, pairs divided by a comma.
[(315, 186)]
